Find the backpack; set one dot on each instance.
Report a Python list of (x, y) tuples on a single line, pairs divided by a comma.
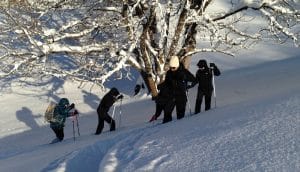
[(50, 112)]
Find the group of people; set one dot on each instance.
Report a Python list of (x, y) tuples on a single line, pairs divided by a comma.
[(172, 93), (63, 110)]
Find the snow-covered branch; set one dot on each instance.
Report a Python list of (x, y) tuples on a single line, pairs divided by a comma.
[(205, 50), (100, 40)]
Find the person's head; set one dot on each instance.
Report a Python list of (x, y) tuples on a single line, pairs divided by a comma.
[(64, 102), (174, 63), (114, 91), (202, 64)]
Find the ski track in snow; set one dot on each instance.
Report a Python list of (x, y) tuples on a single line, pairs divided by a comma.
[(218, 143), (121, 146), (254, 128)]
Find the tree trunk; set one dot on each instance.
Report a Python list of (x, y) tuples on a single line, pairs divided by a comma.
[(189, 44), (152, 86), (150, 83), (179, 28)]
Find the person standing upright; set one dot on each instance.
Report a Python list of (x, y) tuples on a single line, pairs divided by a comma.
[(204, 77), (177, 80)]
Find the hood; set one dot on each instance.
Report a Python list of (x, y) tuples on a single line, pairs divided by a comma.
[(114, 91), (202, 63), (63, 102)]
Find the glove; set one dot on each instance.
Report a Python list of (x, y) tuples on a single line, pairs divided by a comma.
[(76, 112), (212, 65), (72, 106), (154, 98), (120, 96), (189, 86)]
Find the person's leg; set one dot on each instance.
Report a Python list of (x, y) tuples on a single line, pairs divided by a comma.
[(198, 102), (100, 124), (159, 106), (59, 133), (168, 109), (159, 109), (180, 106), (208, 100), (111, 121)]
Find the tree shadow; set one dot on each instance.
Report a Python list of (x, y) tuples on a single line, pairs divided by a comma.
[(47, 86), (56, 85), (26, 116), (91, 99), (27, 141)]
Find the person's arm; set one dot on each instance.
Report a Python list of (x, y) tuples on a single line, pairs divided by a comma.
[(109, 101), (68, 109), (120, 96), (215, 69), (159, 86), (190, 78)]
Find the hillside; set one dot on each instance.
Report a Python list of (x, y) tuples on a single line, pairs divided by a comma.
[(254, 127)]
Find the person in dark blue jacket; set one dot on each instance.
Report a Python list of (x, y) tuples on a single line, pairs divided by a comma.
[(205, 86), (61, 112), (108, 100)]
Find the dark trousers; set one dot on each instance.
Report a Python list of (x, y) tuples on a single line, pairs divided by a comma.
[(180, 103), (160, 106), (168, 109), (108, 119), (59, 132), (207, 96), (158, 109)]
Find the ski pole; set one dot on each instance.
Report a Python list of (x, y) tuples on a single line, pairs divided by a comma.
[(120, 115), (188, 101), (73, 127), (77, 122), (113, 115), (214, 86)]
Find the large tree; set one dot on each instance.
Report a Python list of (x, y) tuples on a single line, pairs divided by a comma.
[(95, 41)]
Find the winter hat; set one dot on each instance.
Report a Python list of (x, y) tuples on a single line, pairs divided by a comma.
[(202, 63), (114, 91), (174, 62), (64, 102)]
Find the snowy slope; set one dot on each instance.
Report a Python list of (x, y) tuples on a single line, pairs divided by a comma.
[(255, 126)]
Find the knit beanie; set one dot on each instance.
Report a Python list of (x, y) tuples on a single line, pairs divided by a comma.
[(174, 62)]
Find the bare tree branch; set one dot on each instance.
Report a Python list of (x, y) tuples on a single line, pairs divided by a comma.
[(99, 40)]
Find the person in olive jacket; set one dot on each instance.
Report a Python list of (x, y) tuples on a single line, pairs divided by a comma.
[(204, 77), (108, 100), (61, 112), (177, 80)]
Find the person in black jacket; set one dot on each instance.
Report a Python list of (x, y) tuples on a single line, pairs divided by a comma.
[(177, 79), (205, 86), (108, 100), (163, 101)]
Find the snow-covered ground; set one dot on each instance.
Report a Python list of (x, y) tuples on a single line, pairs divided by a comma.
[(255, 127)]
